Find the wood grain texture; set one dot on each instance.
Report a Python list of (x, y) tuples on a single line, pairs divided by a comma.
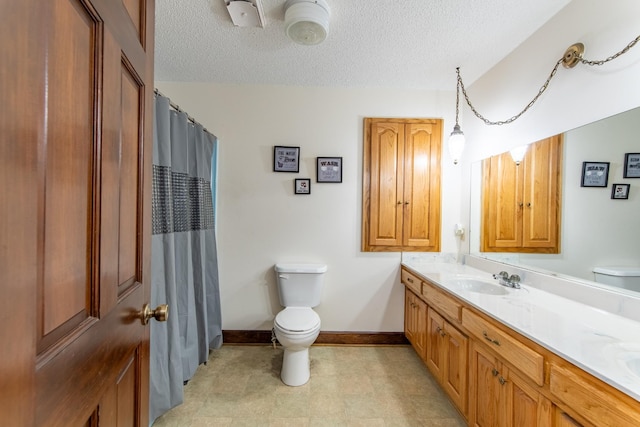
[(521, 205), (401, 185)]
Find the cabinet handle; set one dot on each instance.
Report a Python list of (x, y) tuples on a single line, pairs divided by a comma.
[(399, 202), (529, 204), (443, 333), (502, 380), (406, 203), (495, 372), (488, 338), (409, 279), (520, 204)]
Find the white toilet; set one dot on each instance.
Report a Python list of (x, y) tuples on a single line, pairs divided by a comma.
[(297, 326), (621, 277)]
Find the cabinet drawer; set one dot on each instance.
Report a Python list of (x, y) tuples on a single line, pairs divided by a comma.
[(411, 281), (588, 397), (526, 360), (441, 301)]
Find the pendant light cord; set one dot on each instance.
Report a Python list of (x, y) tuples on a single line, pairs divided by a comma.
[(542, 89)]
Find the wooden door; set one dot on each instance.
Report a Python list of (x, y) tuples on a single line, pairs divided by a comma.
[(435, 336), (485, 394), (501, 204), (386, 184), (415, 321), (454, 372), (75, 146), (541, 194), (421, 213), (525, 406)]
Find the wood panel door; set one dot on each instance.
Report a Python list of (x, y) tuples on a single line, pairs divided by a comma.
[(421, 219), (75, 169), (541, 194), (386, 174), (454, 373), (415, 322)]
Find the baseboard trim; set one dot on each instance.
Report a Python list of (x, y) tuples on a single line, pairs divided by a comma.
[(334, 338)]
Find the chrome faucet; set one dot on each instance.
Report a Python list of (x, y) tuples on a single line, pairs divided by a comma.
[(504, 279)]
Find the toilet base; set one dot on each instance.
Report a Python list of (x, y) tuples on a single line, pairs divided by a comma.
[(295, 367)]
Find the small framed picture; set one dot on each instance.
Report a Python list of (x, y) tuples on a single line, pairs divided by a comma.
[(595, 174), (620, 191), (328, 169), (631, 165), (286, 159), (302, 186)]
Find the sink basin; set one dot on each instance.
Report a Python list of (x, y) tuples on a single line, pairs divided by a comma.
[(478, 286)]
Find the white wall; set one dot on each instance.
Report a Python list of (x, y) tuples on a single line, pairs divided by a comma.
[(575, 96), (260, 220)]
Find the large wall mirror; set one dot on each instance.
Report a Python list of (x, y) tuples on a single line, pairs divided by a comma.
[(595, 229)]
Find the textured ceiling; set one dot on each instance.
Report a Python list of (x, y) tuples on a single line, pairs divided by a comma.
[(371, 43)]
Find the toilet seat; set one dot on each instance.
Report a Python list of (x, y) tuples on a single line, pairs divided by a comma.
[(297, 320)]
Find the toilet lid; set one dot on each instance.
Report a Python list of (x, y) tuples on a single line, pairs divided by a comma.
[(297, 319)]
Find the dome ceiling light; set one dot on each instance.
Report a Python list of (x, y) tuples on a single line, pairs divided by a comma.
[(306, 21)]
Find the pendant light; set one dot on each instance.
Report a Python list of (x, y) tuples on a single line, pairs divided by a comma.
[(456, 139)]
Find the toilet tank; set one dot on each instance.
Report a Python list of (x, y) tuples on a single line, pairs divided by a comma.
[(300, 285), (621, 277)]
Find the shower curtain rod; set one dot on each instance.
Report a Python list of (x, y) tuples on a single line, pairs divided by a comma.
[(177, 108)]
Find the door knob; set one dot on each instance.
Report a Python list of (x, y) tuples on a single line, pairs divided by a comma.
[(161, 313)]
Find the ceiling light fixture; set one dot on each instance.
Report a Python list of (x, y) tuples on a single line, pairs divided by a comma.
[(571, 58), (306, 21)]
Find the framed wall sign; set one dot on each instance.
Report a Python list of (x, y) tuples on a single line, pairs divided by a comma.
[(620, 191), (631, 165), (286, 159), (302, 186), (595, 174), (328, 169)]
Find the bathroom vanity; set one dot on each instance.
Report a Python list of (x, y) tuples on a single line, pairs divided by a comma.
[(524, 357)]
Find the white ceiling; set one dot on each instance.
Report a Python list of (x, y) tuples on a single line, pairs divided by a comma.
[(372, 43)]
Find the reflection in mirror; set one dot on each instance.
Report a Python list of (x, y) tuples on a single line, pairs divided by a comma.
[(596, 230)]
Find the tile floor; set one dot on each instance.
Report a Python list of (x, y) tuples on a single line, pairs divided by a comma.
[(349, 386)]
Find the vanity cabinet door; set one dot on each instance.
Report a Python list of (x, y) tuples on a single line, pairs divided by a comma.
[(526, 407), (446, 358), (484, 389), (521, 203), (500, 397), (415, 322), (454, 372)]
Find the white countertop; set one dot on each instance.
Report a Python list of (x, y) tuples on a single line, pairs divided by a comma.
[(595, 340)]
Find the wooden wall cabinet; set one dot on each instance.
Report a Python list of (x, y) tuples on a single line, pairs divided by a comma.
[(401, 185), (521, 203)]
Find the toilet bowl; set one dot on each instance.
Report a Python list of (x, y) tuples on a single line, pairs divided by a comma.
[(619, 277), (297, 326)]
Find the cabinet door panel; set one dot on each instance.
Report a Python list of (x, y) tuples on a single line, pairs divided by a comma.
[(501, 203), (422, 186), (454, 374), (434, 356), (485, 393), (386, 190), (541, 194)]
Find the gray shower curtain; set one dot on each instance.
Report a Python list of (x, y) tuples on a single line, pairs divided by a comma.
[(184, 266)]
